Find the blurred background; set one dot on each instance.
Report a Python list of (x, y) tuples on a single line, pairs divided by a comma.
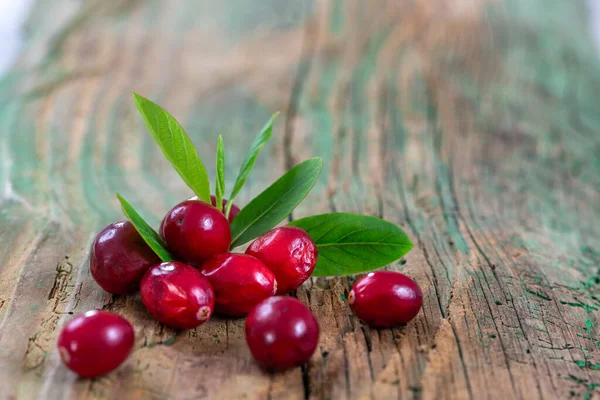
[(14, 13), (12, 17)]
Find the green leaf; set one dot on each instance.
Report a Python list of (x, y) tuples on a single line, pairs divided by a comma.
[(176, 146), (351, 244), (146, 232), (276, 202), (220, 181), (250, 160)]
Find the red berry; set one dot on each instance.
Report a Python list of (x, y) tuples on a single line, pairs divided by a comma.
[(195, 231), (240, 282), (120, 257), (95, 343), (235, 210), (177, 295), (289, 253), (384, 299), (281, 333)]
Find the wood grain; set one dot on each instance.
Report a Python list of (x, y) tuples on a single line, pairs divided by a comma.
[(472, 124)]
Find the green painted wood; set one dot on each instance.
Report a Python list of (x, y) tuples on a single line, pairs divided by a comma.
[(473, 125)]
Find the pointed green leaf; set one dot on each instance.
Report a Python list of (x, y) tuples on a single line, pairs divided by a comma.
[(146, 232), (175, 145), (220, 181), (276, 202), (250, 159), (351, 244)]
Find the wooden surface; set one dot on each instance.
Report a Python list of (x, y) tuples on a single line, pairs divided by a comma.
[(473, 124)]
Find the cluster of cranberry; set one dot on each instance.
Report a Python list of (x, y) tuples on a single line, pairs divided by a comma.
[(186, 271), (281, 332), (183, 294)]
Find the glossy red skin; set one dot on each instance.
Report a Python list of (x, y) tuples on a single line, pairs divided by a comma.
[(385, 298), (281, 333), (240, 282), (95, 343), (119, 258), (195, 231), (177, 295), (235, 210), (289, 253)]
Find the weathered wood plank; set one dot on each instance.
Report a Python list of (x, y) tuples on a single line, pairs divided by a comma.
[(471, 124)]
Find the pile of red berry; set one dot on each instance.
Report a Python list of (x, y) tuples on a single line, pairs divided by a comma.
[(195, 275)]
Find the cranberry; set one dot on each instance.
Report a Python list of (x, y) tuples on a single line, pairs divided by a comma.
[(289, 253), (195, 231), (95, 343), (240, 282), (177, 295), (384, 299), (281, 333), (120, 257), (235, 210)]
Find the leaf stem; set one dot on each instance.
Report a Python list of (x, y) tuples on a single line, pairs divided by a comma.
[(220, 181), (228, 209)]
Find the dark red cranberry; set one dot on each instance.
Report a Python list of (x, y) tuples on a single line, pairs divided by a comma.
[(385, 298), (195, 231), (289, 253), (235, 210), (95, 343), (240, 282), (177, 295), (120, 257), (281, 333)]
